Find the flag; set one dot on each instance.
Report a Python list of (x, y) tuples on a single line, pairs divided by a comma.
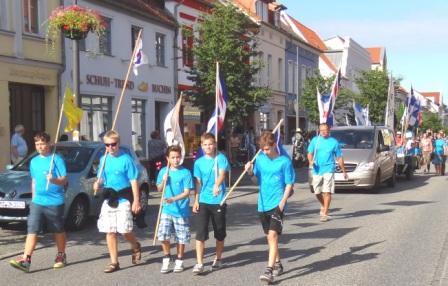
[(140, 58), (173, 135), (327, 102), (278, 141), (221, 100), (361, 115), (413, 110), (347, 121), (390, 105), (71, 111)]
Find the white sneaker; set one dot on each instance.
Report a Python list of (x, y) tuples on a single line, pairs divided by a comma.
[(178, 266), (217, 263), (198, 269), (165, 265)]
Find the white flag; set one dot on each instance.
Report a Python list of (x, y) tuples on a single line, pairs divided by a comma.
[(140, 58), (173, 135)]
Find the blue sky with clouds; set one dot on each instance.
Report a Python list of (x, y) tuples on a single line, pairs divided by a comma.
[(414, 33)]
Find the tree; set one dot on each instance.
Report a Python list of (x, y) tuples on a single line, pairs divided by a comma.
[(431, 121), (227, 36), (373, 86)]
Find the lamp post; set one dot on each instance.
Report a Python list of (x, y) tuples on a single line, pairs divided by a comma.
[(297, 87), (75, 67)]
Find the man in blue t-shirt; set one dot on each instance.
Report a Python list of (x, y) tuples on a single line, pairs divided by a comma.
[(276, 177), (48, 175), (176, 208), (119, 175), (210, 173), (323, 152)]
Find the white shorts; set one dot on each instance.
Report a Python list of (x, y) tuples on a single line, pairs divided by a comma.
[(323, 183), (113, 220)]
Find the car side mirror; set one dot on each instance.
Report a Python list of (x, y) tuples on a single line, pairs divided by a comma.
[(9, 167)]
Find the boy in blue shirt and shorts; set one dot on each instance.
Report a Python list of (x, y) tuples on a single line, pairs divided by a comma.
[(210, 173), (122, 198), (47, 202), (176, 208), (276, 177)]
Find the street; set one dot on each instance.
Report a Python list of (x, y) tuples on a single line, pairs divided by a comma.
[(392, 237)]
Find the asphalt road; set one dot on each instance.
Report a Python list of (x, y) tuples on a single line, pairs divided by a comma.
[(393, 237)]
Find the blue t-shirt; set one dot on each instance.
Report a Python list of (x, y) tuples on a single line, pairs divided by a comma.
[(204, 171), (178, 181), (20, 144), (118, 171), (39, 167), (273, 176), (325, 151), (438, 146)]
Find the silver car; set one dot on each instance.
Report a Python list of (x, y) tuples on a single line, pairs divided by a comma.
[(81, 159), (369, 156)]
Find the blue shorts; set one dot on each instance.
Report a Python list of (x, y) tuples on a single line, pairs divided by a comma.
[(52, 215), (177, 227)]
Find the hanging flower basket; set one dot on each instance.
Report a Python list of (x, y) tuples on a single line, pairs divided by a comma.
[(75, 22)]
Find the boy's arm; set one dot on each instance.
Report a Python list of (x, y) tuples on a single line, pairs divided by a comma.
[(219, 181), (183, 195), (33, 188), (197, 190), (286, 194)]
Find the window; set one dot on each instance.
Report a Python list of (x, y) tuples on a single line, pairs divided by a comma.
[(260, 71), (160, 49), (261, 10), (3, 15), (106, 38), (269, 68), (138, 127), (187, 46), (290, 76), (97, 116), (134, 35), (280, 74), (30, 16), (264, 120)]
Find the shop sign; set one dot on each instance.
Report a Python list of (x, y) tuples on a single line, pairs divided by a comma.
[(159, 88), (105, 81)]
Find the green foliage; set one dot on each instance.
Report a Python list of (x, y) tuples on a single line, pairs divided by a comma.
[(431, 121), (373, 86), (227, 36)]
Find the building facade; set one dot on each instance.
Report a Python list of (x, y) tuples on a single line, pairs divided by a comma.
[(29, 75), (104, 63)]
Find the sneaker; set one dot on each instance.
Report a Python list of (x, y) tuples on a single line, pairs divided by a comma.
[(198, 269), (278, 269), (267, 275), (217, 263), (325, 218), (60, 261), (178, 266), (166, 262), (21, 263)]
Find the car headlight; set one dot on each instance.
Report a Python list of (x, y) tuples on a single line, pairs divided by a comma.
[(366, 166)]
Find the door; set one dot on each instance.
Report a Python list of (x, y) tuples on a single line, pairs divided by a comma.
[(27, 107)]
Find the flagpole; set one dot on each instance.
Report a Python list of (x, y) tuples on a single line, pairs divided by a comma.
[(244, 172), (119, 103), (161, 204), (55, 142), (216, 121)]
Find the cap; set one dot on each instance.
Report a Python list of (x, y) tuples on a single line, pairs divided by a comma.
[(399, 133), (298, 130)]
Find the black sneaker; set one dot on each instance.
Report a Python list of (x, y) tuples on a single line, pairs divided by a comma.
[(267, 275), (278, 269)]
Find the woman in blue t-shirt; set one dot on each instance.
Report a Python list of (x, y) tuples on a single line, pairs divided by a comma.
[(439, 146)]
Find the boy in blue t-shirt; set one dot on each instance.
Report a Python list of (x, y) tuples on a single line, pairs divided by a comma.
[(122, 199), (47, 187), (210, 173), (276, 177), (176, 209)]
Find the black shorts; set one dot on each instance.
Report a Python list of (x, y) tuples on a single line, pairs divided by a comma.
[(272, 220), (218, 216)]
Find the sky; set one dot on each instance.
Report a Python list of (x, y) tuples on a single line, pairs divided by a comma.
[(414, 33)]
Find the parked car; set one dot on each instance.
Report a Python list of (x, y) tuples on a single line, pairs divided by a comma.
[(369, 157), (81, 159)]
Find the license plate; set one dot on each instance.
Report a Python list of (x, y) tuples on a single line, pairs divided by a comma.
[(12, 204), (339, 177)]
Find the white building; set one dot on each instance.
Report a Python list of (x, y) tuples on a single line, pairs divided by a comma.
[(104, 64)]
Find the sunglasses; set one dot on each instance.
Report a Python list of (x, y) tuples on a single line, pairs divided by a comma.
[(111, 144)]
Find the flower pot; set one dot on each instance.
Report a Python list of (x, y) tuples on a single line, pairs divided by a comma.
[(75, 34)]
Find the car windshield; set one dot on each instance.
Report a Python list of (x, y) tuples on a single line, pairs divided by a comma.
[(354, 139), (75, 157)]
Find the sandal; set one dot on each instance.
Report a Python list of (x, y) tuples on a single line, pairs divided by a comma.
[(112, 267), (137, 254)]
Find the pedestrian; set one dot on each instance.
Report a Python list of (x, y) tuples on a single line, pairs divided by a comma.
[(210, 172), (276, 177), (122, 198), (323, 153), (399, 139), (19, 148), (439, 147), (427, 149), (156, 153), (47, 203), (174, 220)]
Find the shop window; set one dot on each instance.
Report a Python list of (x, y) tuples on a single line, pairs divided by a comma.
[(106, 38), (134, 35), (97, 116), (138, 127), (160, 49)]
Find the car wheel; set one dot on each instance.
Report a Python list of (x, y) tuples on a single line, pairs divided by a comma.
[(77, 215), (392, 180)]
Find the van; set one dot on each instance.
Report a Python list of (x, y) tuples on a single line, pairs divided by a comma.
[(369, 157)]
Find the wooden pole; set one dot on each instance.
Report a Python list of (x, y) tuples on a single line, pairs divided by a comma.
[(244, 172), (161, 205), (123, 89), (55, 142)]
